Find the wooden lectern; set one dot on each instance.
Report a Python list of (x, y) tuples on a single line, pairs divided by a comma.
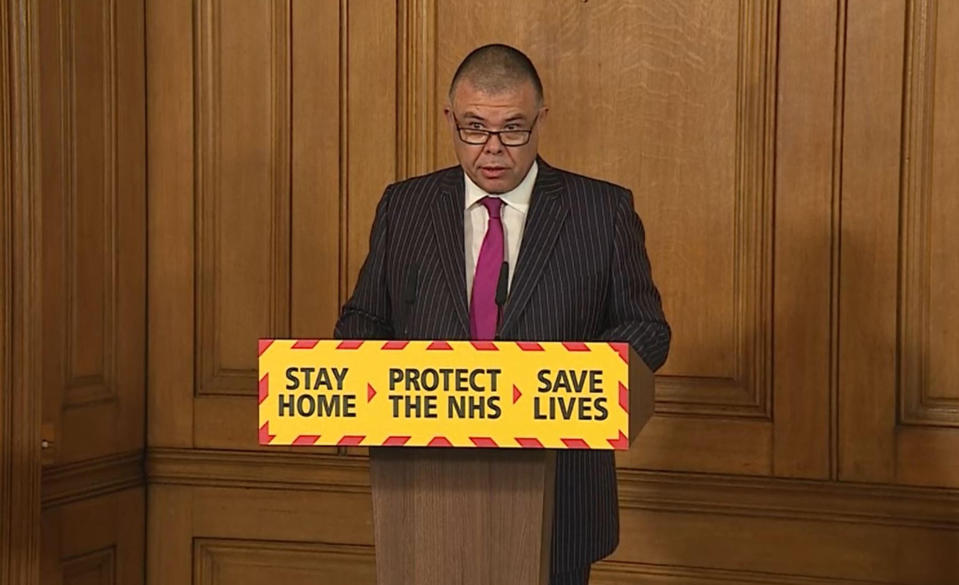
[(468, 516)]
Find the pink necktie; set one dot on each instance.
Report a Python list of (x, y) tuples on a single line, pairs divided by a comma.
[(483, 309)]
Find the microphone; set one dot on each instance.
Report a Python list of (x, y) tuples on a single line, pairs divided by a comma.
[(409, 298)]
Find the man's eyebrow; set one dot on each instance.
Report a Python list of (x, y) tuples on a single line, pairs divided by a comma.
[(473, 116), (515, 117)]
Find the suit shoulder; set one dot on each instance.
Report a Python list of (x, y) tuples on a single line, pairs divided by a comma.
[(423, 183), (579, 185)]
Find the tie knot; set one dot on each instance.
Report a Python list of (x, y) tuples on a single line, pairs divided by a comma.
[(493, 205)]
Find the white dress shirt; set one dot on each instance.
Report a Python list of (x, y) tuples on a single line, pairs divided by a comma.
[(512, 214)]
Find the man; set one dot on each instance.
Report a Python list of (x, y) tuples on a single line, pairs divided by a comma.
[(504, 246)]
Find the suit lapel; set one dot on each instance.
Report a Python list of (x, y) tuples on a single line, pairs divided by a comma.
[(547, 214), (447, 218)]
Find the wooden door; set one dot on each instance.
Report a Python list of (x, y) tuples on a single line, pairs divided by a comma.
[(92, 275)]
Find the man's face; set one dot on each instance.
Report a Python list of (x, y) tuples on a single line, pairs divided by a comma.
[(495, 168)]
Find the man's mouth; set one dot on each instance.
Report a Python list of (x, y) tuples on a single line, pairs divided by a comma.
[(493, 172)]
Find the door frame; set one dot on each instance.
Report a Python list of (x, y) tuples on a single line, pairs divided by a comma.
[(20, 317)]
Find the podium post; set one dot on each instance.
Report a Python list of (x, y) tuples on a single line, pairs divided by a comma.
[(464, 516)]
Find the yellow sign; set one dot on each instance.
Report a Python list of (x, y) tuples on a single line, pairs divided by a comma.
[(568, 395)]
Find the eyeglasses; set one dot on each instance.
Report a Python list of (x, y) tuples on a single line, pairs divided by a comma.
[(478, 137)]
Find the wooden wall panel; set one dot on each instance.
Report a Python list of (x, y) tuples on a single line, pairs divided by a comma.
[(91, 89), (805, 328), (317, 188), (242, 192), (929, 326), (20, 294), (258, 535), (263, 563), (170, 223), (676, 527), (898, 401), (95, 541), (91, 164), (688, 124), (942, 37), (871, 157), (94, 568), (370, 121), (257, 211)]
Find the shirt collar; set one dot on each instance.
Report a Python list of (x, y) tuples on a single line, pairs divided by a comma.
[(518, 198)]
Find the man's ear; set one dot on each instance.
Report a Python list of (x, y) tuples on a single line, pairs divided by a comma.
[(448, 112)]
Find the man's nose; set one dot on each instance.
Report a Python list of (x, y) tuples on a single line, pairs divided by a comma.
[(493, 145)]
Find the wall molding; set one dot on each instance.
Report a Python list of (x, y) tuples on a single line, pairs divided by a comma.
[(416, 107), (643, 490), (212, 376), (20, 311), (748, 394), (84, 389), (615, 573), (99, 566), (793, 499), (214, 555), (916, 404), (72, 482), (258, 470)]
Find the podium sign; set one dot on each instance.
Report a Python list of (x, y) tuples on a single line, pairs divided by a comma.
[(569, 395)]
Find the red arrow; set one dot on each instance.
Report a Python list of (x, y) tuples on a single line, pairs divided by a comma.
[(622, 442), (370, 393)]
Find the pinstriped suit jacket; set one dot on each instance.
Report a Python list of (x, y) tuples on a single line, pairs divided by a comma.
[(582, 274)]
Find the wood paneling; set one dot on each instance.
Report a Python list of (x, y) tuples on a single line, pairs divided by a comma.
[(94, 568), (871, 157), (300, 525), (63, 484), (929, 323), (271, 159), (676, 526), (808, 137), (317, 178), (95, 541), (370, 124), (20, 288), (688, 123), (80, 225), (243, 129), (93, 182), (263, 563), (898, 402), (791, 162), (170, 223)]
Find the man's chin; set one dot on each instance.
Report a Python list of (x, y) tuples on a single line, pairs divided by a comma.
[(496, 186)]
